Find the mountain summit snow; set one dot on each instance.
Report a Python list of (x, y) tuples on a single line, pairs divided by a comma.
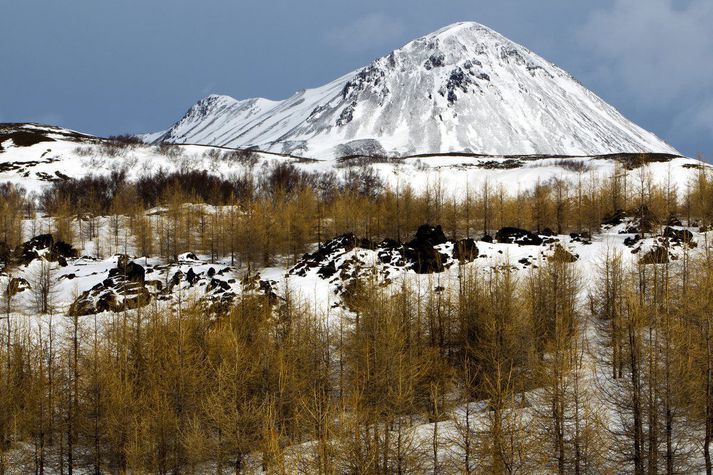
[(464, 89)]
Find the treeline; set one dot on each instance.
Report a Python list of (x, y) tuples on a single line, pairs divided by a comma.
[(495, 376), (658, 362), (277, 212), (275, 387)]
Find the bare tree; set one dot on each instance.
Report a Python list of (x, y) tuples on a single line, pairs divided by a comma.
[(43, 285)]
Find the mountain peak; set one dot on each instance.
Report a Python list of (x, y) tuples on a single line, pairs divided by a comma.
[(461, 89)]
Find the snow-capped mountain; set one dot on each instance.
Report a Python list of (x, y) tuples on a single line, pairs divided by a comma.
[(464, 88)]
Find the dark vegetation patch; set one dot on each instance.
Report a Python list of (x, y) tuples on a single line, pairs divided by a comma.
[(507, 164), (577, 166), (95, 193), (24, 138), (37, 133), (632, 161)]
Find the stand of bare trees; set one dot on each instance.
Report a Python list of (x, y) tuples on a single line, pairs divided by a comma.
[(490, 374)]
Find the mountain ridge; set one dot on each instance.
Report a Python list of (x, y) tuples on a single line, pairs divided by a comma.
[(463, 88)]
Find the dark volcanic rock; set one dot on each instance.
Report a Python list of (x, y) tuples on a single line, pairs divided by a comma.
[(583, 237), (17, 285), (327, 270), (123, 289), (678, 235), (217, 285), (429, 234), (58, 251), (465, 250), (100, 298), (420, 252), (657, 255), (630, 241), (615, 218), (517, 236), (674, 221), (192, 277), (129, 270), (323, 256)]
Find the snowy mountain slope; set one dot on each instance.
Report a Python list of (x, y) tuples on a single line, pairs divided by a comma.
[(464, 88), (47, 154)]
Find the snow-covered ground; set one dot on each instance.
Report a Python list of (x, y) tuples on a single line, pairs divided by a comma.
[(309, 285), (36, 166)]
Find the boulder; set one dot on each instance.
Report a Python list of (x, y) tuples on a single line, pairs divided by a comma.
[(674, 221), (617, 217), (55, 251), (327, 270), (217, 285), (420, 253), (465, 250), (562, 255), (430, 234), (678, 235), (128, 269), (630, 241), (101, 299), (657, 255), (192, 277), (17, 285), (326, 252)]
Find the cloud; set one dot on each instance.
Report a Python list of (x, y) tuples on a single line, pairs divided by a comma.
[(366, 33), (659, 54), (659, 50), (703, 116)]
